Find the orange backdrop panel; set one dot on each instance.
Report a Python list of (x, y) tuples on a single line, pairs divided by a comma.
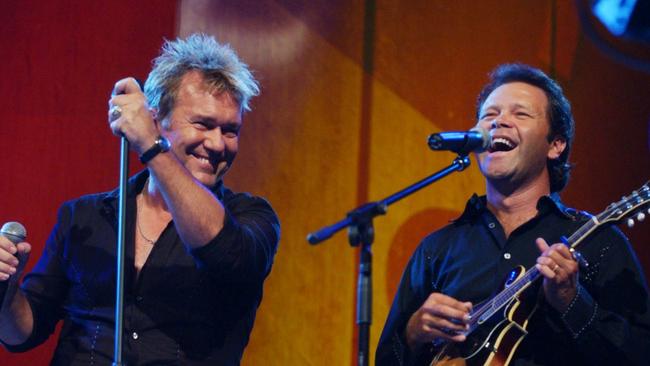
[(324, 139)]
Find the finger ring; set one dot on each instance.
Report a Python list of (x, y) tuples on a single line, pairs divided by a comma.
[(556, 267), (115, 112)]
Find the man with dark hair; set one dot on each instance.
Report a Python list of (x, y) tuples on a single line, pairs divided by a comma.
[(197, 254), (558, 111), (597, 314)]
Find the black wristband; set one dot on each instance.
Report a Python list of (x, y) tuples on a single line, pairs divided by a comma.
[(160, 145)]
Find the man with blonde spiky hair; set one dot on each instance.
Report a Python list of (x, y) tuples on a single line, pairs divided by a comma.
[(197, 253)]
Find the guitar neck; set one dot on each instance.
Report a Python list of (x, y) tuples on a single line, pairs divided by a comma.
[(584, 231), (498, 342), (484, 312)]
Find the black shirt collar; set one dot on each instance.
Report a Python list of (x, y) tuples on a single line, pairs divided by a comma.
[(136, 184), (477, 205)]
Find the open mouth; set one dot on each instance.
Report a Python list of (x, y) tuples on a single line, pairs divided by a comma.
[(501, 144)]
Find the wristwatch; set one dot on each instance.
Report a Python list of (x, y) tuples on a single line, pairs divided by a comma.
[(160, 145)]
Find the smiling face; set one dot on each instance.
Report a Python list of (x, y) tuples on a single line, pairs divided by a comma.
[(203, 129), (515, 114)]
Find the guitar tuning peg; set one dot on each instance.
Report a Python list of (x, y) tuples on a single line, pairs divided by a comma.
[(630, 222), (640, 216)]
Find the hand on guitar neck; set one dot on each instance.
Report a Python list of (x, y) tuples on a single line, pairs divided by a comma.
[(440, 317), (560, 271), (498, 325), (443, 318)]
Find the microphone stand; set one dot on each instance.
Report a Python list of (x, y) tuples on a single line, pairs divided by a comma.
[(361, 233), (119, 290)]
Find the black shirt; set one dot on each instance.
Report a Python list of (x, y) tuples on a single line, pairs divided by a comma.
[(185, 307), (608, 322)]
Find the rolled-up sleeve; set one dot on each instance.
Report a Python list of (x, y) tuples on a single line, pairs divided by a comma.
[(244, 249)]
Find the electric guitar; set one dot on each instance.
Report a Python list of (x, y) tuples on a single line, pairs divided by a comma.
[(493, 341)]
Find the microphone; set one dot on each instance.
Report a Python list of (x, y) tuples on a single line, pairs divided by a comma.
[(15, 232), (461, 142)]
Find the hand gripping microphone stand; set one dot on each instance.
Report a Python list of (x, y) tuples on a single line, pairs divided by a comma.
[(361, 233), (121, 236)]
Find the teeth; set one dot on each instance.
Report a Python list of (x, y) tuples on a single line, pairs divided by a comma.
[(202, 159), (502, 141)]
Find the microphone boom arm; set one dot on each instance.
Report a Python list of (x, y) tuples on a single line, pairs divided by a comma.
[(370, 210), (361, 233)]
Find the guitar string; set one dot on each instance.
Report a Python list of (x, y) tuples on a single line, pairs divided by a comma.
[(532, 274), (528, 277)]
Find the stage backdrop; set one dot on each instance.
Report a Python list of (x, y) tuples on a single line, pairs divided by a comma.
[(350, 91)]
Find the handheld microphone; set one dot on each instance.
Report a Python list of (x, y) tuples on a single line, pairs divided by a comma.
[(15, 232), (461, 142)]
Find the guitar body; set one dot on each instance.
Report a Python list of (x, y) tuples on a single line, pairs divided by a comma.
[(493, 343)]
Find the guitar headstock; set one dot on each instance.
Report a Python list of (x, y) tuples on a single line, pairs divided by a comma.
[(633, 207)]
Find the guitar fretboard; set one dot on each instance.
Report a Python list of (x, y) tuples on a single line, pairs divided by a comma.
[(483, 313)]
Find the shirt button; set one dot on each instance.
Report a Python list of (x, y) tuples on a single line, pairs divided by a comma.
[(506, 255), (491, 225), (135, 335), (138, 298)]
